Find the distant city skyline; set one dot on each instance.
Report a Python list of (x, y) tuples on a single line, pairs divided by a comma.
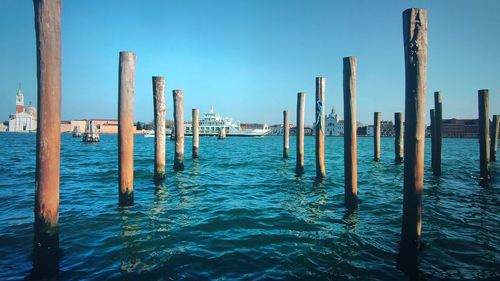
[(249, 59)]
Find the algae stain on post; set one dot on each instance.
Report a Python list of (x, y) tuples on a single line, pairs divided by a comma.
[(126, 84)]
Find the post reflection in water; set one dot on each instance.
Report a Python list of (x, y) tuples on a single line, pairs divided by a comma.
[(409, 263), (46, 255), (130, 261)]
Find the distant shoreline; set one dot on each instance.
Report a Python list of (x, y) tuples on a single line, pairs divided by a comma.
[(140, 133)]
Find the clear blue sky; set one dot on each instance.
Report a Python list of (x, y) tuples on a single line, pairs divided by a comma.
[(250, 58)]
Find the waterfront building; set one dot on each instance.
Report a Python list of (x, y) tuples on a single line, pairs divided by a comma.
[(334, 125), (25, 118), (370, 130), (460, 128), (387, 129), (103, 126), (277, 130)]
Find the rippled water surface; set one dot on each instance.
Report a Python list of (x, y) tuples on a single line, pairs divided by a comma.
[(239, 212)]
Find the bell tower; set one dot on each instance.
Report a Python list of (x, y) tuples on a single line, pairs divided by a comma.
[(19, 100)]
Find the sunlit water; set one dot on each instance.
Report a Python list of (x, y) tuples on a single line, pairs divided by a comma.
[(240, 212)]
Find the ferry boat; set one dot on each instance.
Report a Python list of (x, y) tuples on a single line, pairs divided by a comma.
[(212, 123)]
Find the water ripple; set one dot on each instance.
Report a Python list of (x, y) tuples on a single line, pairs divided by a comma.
[(240, 212)]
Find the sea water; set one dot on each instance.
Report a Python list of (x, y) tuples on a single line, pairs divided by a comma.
[(240, 212)]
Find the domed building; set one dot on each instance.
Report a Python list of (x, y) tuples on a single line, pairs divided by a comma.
[(25, 118), (334, 125)]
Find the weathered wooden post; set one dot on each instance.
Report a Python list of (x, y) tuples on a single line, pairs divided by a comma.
[(350, 133), (377, 116), (494, 137), (433, 137), (286, 133), (320, 127), (415, 45), (484, 132), (126, 84), (398, 142), (196, 135), (160, 134), (179, 129), (438, 127), (48, 141), (301, 100)]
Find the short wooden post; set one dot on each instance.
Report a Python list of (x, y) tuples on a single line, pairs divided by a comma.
[(438, 127), (320, 127), (377, 116), (415, 46), (286, 133), (160, 134), (48, 141), (126, 82), (179, 129), (301, 100), (433, 137), (196, 135), (398, 142), (484, 132), (494, 137), (350, 132)]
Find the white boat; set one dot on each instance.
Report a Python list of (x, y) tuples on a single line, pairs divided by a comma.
[(149, 134), (91, 133), (212, 123)]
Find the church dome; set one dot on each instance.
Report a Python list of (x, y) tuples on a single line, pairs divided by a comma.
[(31, 109)]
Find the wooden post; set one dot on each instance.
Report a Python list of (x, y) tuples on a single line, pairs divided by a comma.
[(48, 137), (301, 100), (320, 127), (484, 132), (433, 137), (350, 133), (415, 46), (196, 135), (126, 82), (286, 133), (438, 126), (377, 116), (179, 129), (159, 117), (494, 137), (398, 142)]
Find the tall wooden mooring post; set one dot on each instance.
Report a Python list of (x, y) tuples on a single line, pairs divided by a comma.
[(350, 132), (48, 138), (415, 49)]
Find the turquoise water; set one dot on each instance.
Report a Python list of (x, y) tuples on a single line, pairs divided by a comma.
[(239, 212)]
